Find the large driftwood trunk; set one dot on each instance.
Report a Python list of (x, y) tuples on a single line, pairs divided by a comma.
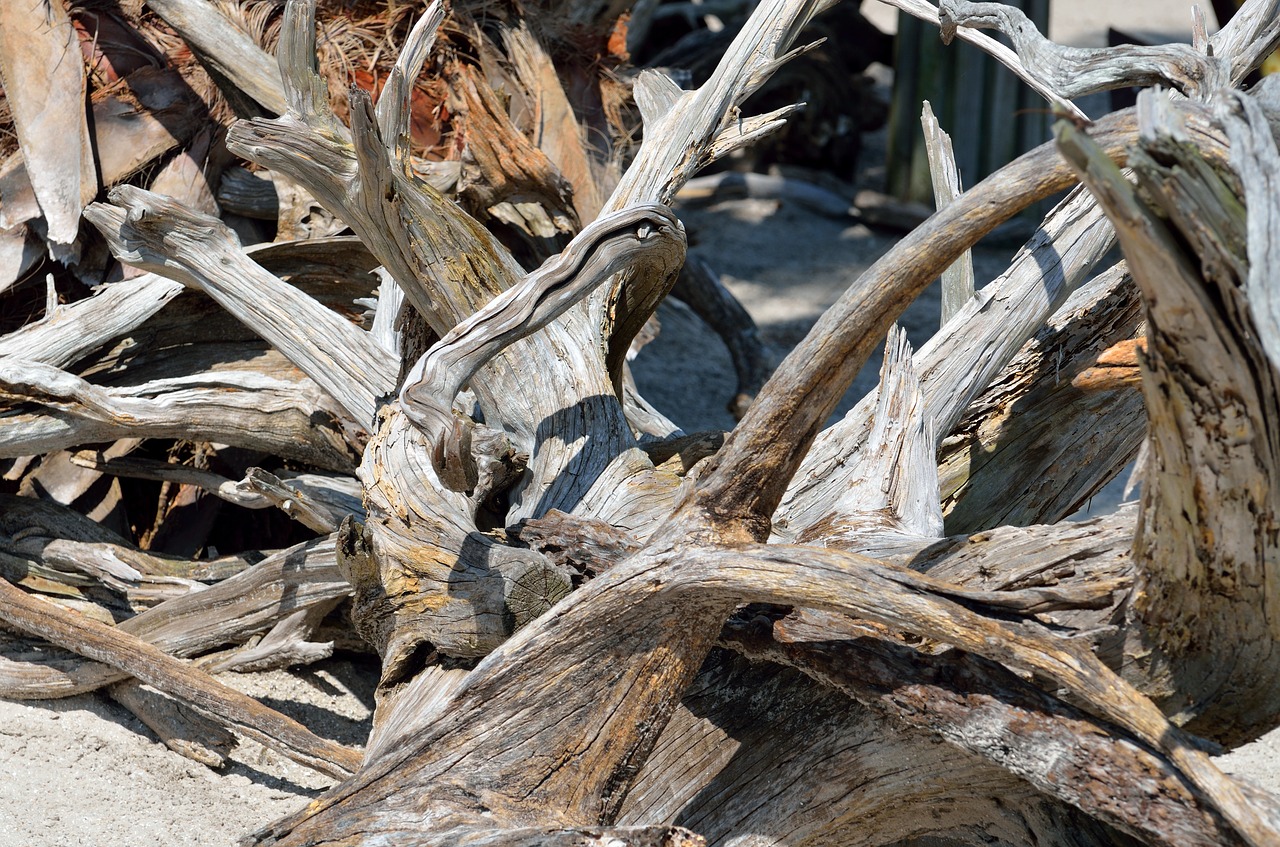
[(595, 628)]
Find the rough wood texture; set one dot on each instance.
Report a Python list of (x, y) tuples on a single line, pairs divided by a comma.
[(45, 91), (1205, 571), (153, 233), (136, 657), (993, 679), (957, 280)]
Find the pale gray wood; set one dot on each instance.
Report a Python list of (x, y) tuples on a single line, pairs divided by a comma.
[(181, 729), (957, 280), (1249, 37), (138, 658), (569, 386), (75, 329), (928, 12), (44, 85), (287, 644), (757, 754), (227, 49), (250, 602), (387, 313), (1256, 160), (1076, 71), (685, 130), (259, 404), (319, 501), (962, 358), (153, 233), (895, 491), (647, 239), (393, 108)]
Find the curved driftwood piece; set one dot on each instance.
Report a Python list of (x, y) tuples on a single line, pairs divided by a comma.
[(926, 11), (647, 240), (1076, 71), (957, 364), (73, 330), (523, 513), (376, 195), (474, 777), (774, 438), (1012, 725), (258, 404)]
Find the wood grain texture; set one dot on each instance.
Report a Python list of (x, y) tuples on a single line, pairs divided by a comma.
[(140, 659)]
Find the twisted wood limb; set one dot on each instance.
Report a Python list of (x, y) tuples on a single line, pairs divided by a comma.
[(647, 240)]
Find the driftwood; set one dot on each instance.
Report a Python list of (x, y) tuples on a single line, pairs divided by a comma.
[(594, 628)]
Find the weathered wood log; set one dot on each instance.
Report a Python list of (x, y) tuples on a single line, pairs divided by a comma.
[(1203, 570), (591, 579)]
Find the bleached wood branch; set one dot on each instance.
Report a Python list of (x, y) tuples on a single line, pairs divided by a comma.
[(895, 489), (393, 108), (953, 694), (646, 240), (287, 644), (1076, 71), (231, 52), (152, 232), (1255, 158), (750, 475), (1249, 37), (926, 11), (75, 329), (249, 602), (957, 280), (1206, 624), (962, 358), (318, 501), (417, 234)]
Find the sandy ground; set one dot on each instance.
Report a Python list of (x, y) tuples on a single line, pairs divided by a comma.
[(84, 771)]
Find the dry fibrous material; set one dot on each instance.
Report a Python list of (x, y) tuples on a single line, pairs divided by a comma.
[(594, 628)]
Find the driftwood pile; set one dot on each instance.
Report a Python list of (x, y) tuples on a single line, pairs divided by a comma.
[(595, 628)]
